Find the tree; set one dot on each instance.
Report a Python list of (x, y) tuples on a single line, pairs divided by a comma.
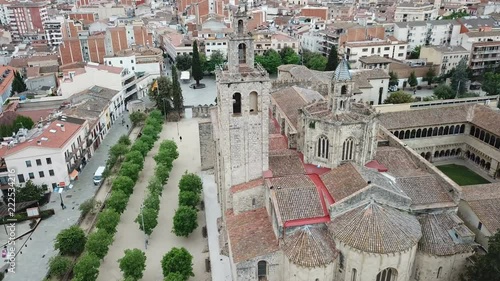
[(18, 85), (152, 201), (196, 67), (455, 15), (415, 54), (161, 93), (394, 79), (333, 59), (164, 157), (151, 131), (130, 170), (141, 146), (491, 83), (162, 172), (430, 75), (183, 62), (155, 186), (459, 77), (30, 192), (178, 260), (135, 157), (124, 184), (444, 92), (71, 241), (133, 263), (288, 56), (98, 243), (87, 206), (190, 182), (486, 267), (108, 220), (177, 98), (124, 139), (270, 61), (150, 218), (216, 58), (399, 97), (149, 140), (171, 147), (59, 266), (175, 276), (117, 201), (118, 150), (137, 117), (203, 62), (412, 80), (87, 268), (22, 122), (185, 221), (316, 61), (189, 198)]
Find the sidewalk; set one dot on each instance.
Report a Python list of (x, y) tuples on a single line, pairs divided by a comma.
[(32, 260)]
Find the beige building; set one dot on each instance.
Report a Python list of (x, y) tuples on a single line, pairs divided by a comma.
[(388, 48), (447, 57), (408, 11), (266, 40)]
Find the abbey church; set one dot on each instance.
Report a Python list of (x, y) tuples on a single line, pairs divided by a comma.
[(319, 186)]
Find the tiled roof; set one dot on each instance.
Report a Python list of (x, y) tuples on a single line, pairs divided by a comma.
[(343, 181), (310, 246), (484, 200), (285, 162), (342, 72), (376, 229), (487, 118), (425, 189), (297, 198), (246, 185), (436, 236), (374, 59), (251, 234), (397, 161), (289, 100), (359, 112), (277, 142)]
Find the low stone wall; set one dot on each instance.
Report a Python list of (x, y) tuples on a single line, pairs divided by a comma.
[(202, 111)]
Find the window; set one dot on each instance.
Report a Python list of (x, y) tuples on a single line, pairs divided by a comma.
[(262, 270), (242, 53), (121, 62), (387, 48), (364, 50), (388, 274), (38, 162), (323, 145), (353, 275), (347, 149), (41, 174), (439, 272), (51, 172), (236, 103), (49, 161), (132, 61), (479, 225), (54, 185), (28, 163), (253, 102), (31, 176), (343, 90)]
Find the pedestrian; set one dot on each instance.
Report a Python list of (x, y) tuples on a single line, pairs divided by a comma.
[(127, 126), (180, 137)]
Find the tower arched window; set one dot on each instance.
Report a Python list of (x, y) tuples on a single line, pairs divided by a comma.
[(262, 270), (388, 274), (240, 26), (253, 102), (439, 272), (322, 147), (236, 103), (342, 105), (354, 274), (343, 90), (348, 149), (242, 53)]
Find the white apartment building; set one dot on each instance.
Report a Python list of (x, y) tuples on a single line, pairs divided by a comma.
[(49, 155), (415, 12), (311, 41), (145, 60), (447, 57), (54, 31), (389, 48), (266, 40), (467, 39), (435, 33)]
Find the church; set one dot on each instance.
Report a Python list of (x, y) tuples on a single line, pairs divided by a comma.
[(313, 187)]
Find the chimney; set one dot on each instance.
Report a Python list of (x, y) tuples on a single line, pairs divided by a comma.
[(62, 128)]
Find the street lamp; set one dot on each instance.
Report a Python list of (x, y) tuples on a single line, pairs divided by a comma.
[(143, 229)]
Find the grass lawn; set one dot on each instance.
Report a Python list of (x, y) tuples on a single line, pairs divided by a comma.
[(461, 174)]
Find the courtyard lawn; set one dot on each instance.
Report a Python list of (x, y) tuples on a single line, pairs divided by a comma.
[(462, 175)]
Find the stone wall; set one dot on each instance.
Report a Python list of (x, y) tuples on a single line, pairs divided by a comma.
[(202, 111), (449, 267), (249, 199), (247, 270), (207, 145)]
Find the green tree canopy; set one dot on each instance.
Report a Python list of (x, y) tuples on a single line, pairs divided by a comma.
[(333, 59), (491, 83), (486, 267), (133, 263), (430, 75), (124, 184), (394, 79), (135, 157), (118, 150), (30, 192), (108, 220), (59, 266), (455, 15), (183, 62), (137, 117), (162, 172), (185, 221), (124, 139), (87, 206), (270, 60), (98, 243), (178, 260), (87, 268), (399, 97), (150, 217), (459, 77), (190, 182), (412, 80), (117, 201), (155, 186), (171, 147), (152, 201), (18, 85), (196, 67), (161, 93), (175, 276), (289, 56), (177, 98), (71, 241), (130, 170), (444, 92), (141, 146), (415, 54), (315, 61), (7, 130), (216, 58), (189, 198)]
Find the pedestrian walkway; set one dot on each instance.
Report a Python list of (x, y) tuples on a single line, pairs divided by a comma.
[(162, 239)]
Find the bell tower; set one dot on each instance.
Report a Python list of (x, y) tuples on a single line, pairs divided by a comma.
[(243, 102), (342, 88)]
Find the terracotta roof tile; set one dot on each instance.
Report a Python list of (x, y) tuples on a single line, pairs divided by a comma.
[(397, 161), (376, 229), (425, 189), (277, 142), (487, 118), (289, 101), (247, 185), (436, 236), (343, 181), (310, 246), (285, 162), (484, 200), (251, 235)]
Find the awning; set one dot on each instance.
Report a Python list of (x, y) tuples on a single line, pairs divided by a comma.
[(73, 175), (62, 184)]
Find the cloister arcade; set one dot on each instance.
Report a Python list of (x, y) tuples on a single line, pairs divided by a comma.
[(430, 132)]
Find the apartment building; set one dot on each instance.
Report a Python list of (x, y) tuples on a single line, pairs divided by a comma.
[(6, 79), (214, 34), (447, 57), (410, 11), (27, 19), (125, 36), (146, 60), (314, 11), (54, 30), (387, 48), (175, 44), (266, 40), (434, 33), (469, 38), (485, 56), (50, 154)]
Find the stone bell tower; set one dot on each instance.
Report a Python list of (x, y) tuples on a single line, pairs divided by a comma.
[(243, 111), (342, 89)]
